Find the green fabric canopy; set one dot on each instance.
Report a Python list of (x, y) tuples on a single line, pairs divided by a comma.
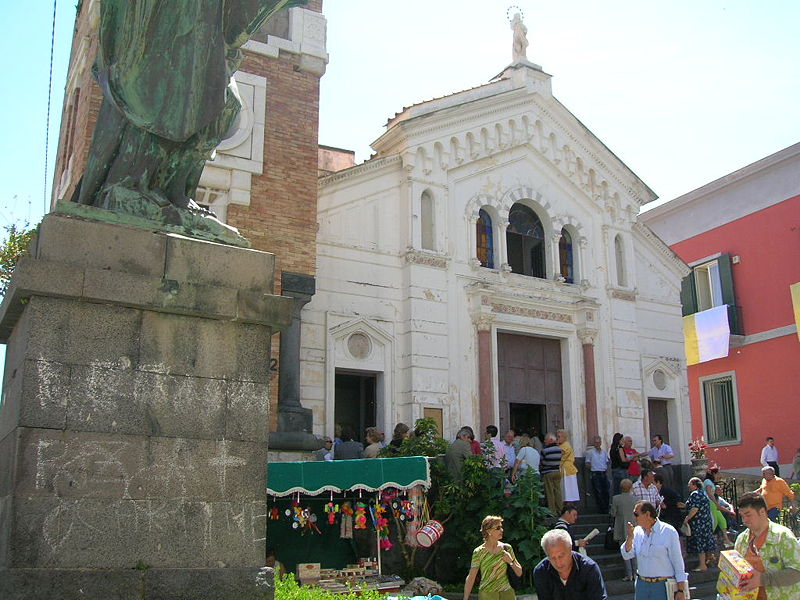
[(373, 474)]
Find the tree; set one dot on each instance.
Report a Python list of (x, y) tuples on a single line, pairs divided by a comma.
[(14, 245)]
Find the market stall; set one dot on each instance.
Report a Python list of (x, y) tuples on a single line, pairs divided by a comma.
[(324, 511)]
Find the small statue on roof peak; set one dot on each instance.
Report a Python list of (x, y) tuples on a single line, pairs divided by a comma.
[(519, 45)]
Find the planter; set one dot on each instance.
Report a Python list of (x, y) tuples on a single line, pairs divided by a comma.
[(699, 467)]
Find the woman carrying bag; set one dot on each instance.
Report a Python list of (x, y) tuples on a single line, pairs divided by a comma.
[(492, 558)]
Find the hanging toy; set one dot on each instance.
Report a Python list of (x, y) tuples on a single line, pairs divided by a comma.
[(361, 515), (406, 510), (383, 527), (346, 526), (331, 509), (310, 521), (298, 516), (274, 514)]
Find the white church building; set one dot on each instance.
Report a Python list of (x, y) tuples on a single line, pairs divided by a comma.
[(487, 266)]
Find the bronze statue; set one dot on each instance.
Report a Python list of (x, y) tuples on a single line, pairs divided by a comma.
[(165, 68)]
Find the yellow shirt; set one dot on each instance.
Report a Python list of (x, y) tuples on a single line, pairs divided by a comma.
[(774, 491), (567, 459)]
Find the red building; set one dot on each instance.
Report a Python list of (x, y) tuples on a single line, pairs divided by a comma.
[(741, 236)]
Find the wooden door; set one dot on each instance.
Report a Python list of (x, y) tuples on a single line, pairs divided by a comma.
[(658, 420), (529, 372)]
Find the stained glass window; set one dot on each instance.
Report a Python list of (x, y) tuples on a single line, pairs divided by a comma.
[(565, 256), (485, 240), (525, 242)]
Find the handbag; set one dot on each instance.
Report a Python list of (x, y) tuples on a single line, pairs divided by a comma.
[(610, 543), (686, 529), (513, 579)]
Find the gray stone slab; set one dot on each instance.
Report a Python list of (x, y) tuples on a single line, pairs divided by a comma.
[(182, 406), (103, 398), (247, 411), (71, 584), (256, 307), (89, 244), (205, 470), (253, 345), (74, 332), (6, 520), (69, 464), (182, 345), (8, 461), (216, 264), (167, 295), (205, 584), (40, 387)]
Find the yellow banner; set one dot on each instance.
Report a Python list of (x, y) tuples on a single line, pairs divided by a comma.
[(690, 341), (795, 289)]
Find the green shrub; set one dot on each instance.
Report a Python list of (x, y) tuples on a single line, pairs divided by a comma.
[(287, 588), (15, 245)]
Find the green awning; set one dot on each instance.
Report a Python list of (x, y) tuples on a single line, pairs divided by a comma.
[(372, 474)]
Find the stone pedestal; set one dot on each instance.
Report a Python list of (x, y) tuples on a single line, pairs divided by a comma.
[(134, 420)]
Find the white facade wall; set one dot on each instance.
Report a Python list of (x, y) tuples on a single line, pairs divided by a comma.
[(489, 147)]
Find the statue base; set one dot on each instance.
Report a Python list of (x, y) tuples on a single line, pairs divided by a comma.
[(126, 207), (135, 415)]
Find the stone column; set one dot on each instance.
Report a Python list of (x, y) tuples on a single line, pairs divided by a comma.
[(483, 323), (295, 423), (586, 337), (501, 246), (134, 422)]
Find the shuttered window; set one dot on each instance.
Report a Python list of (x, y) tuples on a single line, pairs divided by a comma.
[(720, 408), (711, 284)]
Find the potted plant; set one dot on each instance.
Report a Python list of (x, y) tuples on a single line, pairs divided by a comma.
[(699, 460)]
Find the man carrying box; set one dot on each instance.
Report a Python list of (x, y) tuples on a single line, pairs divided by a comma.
[(771, 549)]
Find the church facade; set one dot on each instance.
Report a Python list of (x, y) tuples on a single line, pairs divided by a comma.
[(487, 266)]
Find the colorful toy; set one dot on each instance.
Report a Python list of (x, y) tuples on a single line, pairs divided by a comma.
[(274, 514), (382, 525), (331, 509), (361, 515), (346, 527)]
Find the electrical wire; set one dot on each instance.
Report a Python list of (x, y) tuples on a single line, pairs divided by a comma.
[(49, 97)]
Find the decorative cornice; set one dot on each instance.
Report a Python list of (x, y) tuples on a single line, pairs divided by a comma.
[(483, 321), (672, 259), (534, 313), (587, 336), (416, 257), (623, 295), (362, 169)]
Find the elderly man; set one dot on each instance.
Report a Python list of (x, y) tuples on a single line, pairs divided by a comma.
[(550, 470), (772, 550), (657, 550), (458, 452), (509, 449), (774, 489), (646, 490), (564, 574)]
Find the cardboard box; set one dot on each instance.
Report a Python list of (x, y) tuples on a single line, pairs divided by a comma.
[(735, 566), (308, 571), (729, 589)]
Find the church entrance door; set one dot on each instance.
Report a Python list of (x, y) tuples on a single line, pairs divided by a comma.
[(354, 400), (530, 383)]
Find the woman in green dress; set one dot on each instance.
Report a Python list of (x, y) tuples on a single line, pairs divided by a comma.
[(492, 559)]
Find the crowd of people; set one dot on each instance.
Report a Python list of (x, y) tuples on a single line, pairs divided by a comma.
[(656, 525)]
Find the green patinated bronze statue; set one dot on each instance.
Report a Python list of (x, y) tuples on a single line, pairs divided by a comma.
[(165, 69)]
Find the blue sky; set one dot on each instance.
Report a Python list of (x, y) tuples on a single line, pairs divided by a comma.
[(682, 91)]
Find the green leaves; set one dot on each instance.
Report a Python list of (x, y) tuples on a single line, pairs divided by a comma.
[(15, 245)]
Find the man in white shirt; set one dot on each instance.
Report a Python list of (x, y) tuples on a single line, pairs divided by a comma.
[(657, 550), (509, 449), (769, 456), (645, 489), (664, 454), (597, 460)]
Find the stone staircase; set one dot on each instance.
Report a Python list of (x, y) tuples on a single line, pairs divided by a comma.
[(701, 585)]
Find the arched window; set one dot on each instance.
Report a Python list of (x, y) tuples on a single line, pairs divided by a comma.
[(565, 256), (485, 240), (426, 222), (525, 241), (619, 254)]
